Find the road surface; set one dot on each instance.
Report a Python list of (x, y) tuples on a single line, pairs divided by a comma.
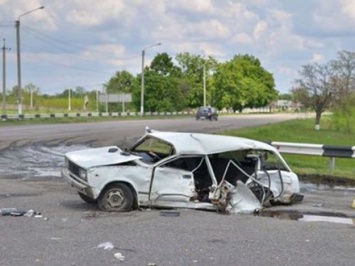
[(71, 232)]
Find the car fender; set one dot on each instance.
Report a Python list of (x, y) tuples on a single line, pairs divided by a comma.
[(134, 176)]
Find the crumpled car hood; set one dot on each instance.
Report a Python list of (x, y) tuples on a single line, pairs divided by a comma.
[(88, 158)]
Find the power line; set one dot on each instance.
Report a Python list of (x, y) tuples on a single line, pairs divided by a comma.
[(53, 39), (72, 54), (78, 68), (44, 36), (53, 42)]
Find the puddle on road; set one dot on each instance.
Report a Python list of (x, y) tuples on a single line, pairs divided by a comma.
[(34, 161), (309, 187), (309, 217)]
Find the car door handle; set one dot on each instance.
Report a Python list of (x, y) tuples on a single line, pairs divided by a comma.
[(186, 176)]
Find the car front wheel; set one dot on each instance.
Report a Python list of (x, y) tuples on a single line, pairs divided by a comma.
[(116, 198)]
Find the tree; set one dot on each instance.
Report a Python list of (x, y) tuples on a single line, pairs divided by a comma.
[(316, 84), (243, 82), (164, 66), (30, 93), (121, 82), (344, 92), (344, 82), (79, 91), (161, 86), (285, 96), (191, 82)]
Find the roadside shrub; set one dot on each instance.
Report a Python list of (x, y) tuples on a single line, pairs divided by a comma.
[(343, 119)]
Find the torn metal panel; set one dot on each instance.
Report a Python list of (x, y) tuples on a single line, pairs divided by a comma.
[(243, 200), (235, 199), (282, 184)]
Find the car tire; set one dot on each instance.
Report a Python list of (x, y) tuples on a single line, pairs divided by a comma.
[(117, 197), (86, 198)]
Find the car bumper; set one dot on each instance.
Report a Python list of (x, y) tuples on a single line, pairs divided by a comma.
[(77, 183)]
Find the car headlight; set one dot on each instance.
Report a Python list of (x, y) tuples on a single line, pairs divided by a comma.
[(83, 174)]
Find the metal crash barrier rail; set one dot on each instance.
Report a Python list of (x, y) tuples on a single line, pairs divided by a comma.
[(330, 151)]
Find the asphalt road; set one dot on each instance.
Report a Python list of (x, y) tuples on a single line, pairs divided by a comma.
[(71, 232)]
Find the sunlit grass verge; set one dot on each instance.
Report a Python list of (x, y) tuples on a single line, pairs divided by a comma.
[(302, 131)]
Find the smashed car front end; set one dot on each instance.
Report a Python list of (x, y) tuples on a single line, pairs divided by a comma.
[(90, 170), (77, 177)]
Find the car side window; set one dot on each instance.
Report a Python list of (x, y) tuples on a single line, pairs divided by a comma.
[(153, 149)]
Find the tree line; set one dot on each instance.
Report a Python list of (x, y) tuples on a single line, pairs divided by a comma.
[(241, 82), (235, 84), (176, 85)]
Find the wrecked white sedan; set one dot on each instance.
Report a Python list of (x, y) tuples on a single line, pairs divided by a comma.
[(183, 170)]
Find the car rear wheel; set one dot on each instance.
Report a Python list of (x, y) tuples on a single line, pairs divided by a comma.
[(86, 198), (116, 198)]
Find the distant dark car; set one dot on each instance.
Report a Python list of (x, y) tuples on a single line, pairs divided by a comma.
[(206, 112)]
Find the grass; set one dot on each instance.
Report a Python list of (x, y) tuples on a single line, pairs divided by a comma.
[(302, 131)]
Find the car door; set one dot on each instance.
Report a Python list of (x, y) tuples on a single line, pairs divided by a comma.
[(172, 182), (172, 185)]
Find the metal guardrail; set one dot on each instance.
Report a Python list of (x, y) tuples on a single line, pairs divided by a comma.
[(330, 151), (90, 114), (117, 114)]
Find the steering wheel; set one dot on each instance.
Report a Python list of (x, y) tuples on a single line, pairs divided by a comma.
[(154, 156)]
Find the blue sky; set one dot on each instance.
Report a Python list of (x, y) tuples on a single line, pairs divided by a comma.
[(73, 43)]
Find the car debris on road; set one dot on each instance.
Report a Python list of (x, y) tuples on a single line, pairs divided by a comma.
[(183, 170)]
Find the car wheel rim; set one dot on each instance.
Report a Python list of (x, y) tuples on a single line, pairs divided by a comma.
[(115, 198)]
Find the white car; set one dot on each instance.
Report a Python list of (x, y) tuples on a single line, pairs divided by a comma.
[(183, 170)]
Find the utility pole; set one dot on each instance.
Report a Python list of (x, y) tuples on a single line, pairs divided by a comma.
[(142, 78), (97, 100), (69, 99), (4, 49), (204, 84), (19, 88)]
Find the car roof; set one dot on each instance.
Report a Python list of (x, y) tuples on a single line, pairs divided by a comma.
[(200, 143)]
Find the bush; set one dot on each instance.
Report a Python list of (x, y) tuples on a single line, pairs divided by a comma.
[(344, 115)]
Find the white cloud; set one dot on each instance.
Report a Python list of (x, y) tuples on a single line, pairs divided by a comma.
[(318, 58), (243, 38), (260, 29), (195, 6), (335, 16), (69, 36)]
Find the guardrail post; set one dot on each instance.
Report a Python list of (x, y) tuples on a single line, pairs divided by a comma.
[(331, 164)]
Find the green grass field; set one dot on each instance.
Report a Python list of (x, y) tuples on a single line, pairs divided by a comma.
[(302, 131)]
